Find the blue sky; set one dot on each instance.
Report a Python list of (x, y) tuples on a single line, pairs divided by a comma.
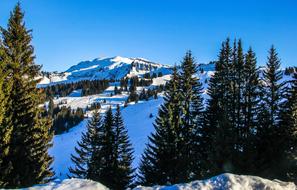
[(68, 31)]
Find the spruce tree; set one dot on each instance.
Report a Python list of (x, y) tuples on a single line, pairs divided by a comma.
[(269, 135), (163, 159), (84, 164), (288, 124), (31, 136), (218, 134), (123, 154), (250, 108), (192, 114), (5, 131)]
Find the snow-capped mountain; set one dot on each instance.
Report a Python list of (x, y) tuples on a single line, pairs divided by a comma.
[(106, 68)]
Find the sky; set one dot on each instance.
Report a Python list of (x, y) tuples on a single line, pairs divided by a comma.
[(66, 32)]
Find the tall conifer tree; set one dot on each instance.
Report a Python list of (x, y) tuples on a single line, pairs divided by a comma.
[(268, 130), (288, 124), (218, 134), (85, 165), (192, 113), (5, 131), (30, 138), (250, 107), (162, 162), (123, 153)]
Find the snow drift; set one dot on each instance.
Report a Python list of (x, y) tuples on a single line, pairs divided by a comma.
[(230, 182), (221, 182)]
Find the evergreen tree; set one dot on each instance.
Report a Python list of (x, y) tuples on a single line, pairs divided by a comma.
[(268, 131), (30, 136), (218, 134), (163, 160), (250, 108), (288, 123), (192, 114), (123, 154), (85, 163), (5, 131)]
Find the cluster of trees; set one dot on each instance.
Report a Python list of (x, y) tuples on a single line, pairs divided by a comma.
[(104, 153), (94, 106), (151, 76), (133, 82), (25, 135), (88, 87), (147, 94), (64, 118), (247, 127)]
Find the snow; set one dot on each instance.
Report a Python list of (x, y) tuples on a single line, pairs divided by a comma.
[(230, 182), (136, 118), (63, 147), (161, 80), (105, 68), (140, 125), (70, 184), (222, 182)]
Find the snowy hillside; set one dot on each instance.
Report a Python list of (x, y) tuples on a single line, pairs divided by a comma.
[(221, 182), (137, 121), (106, 68)]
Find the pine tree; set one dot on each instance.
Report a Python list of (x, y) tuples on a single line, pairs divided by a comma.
[(163, 160), (218, 134), (250, 107), (5, 131), (123, 154), (268, 130), (31, 136), (84, 164), (288, 123), (192, 113)]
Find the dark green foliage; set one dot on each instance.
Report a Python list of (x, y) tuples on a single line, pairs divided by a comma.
[(171, 155), (88, 87), (269, 133), (65, 118), (85, 163), (105, 153), (94, 106), (5, 131), (218, 135), (191, 115), (288, 123), (228, 136), (27, 161), (162, 162), (123, 154)]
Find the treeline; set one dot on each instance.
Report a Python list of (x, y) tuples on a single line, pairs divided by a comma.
[(104, 153), (88, 87), (133, 82), (64, 118), (25, 136), (247, 127)]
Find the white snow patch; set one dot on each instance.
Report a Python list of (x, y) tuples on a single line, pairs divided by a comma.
[(228, 182), (70, 184)]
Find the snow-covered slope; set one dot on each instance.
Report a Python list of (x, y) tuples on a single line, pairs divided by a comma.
[(221, 182), (228, 182), (106, 68), (70, 184), (136, 117)]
